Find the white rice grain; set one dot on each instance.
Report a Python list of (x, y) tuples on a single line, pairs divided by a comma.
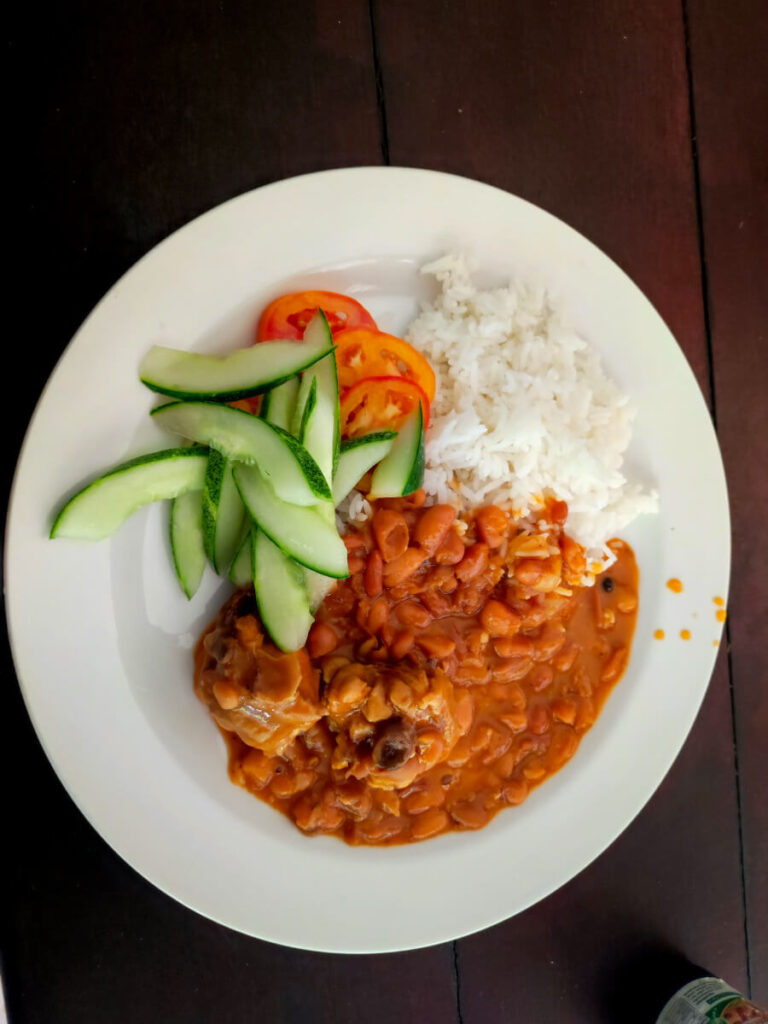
[(523, 409)]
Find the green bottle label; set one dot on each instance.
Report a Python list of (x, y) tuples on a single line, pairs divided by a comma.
[(710, 1001)]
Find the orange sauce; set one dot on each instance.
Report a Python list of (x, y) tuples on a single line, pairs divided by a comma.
[(685, 634), (675, 585), (658, 634), (454, 671)]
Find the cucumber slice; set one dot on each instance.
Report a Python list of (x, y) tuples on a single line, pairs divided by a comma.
[(241, 570), (318, 588), (357, 456), (302, 533), (319, 427), (99, 508), (402, 471), (223, 512), (278, 404), (248, 371), (305, 404), (241, 436), (280, 594), (186, 531)]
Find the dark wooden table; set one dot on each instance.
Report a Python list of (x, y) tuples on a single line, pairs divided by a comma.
[(644, 124)]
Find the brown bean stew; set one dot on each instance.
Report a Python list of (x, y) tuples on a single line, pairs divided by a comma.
[(456, 669)]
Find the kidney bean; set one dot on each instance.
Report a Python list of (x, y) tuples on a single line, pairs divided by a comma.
[(492, 525), (429, 824), (516, 721), (539, 719), (510, 669), (412, 613), (534, 770), (499, 744), (373, 577), (460, 754), (381, 828), (361, 615), (573, 555), (322, 640), (437, 603), (550, 642), (451, 551), (470, 673), (529, 571), (614, 666), (378, 614), (443, 579), (388, 633), (367, 647), (402, 644), (391, 532), (353, 540), (585, 715), (565, 659), (423, 799), (541, 677), (465, 711), (470, 813), (403, 567), (289, 783), (563, 746), (515, 791), (431, 529), (498, 619), (505, 765), (473, 563), (564, 710), (355, 564), (513, 647), (257, 768), (436, 645)]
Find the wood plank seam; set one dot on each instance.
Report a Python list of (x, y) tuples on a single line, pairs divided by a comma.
[(457, 981), (379, 79), (713, 406)]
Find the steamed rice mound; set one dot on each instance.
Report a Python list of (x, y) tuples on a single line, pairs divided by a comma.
[(523, 409)]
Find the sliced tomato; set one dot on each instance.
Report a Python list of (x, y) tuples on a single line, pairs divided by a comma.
[(288, 316), (362, 352), (380, 403)]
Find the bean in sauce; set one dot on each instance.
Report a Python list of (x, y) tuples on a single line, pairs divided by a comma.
[(454, 671)]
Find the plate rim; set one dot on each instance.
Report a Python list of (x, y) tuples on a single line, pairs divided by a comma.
[(61, 772)]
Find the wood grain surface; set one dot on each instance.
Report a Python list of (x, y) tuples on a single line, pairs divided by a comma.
[(127, 120), (729, 49)]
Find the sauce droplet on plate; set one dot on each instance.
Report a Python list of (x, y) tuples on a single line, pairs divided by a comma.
[(721, 614), (718, 600), (675, 585), (659, 634), (685, 634)]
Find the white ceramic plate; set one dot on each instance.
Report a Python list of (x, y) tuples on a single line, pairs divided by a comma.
[(102, 637)]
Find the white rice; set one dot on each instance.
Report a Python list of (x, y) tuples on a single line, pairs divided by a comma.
[(523, 410)]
